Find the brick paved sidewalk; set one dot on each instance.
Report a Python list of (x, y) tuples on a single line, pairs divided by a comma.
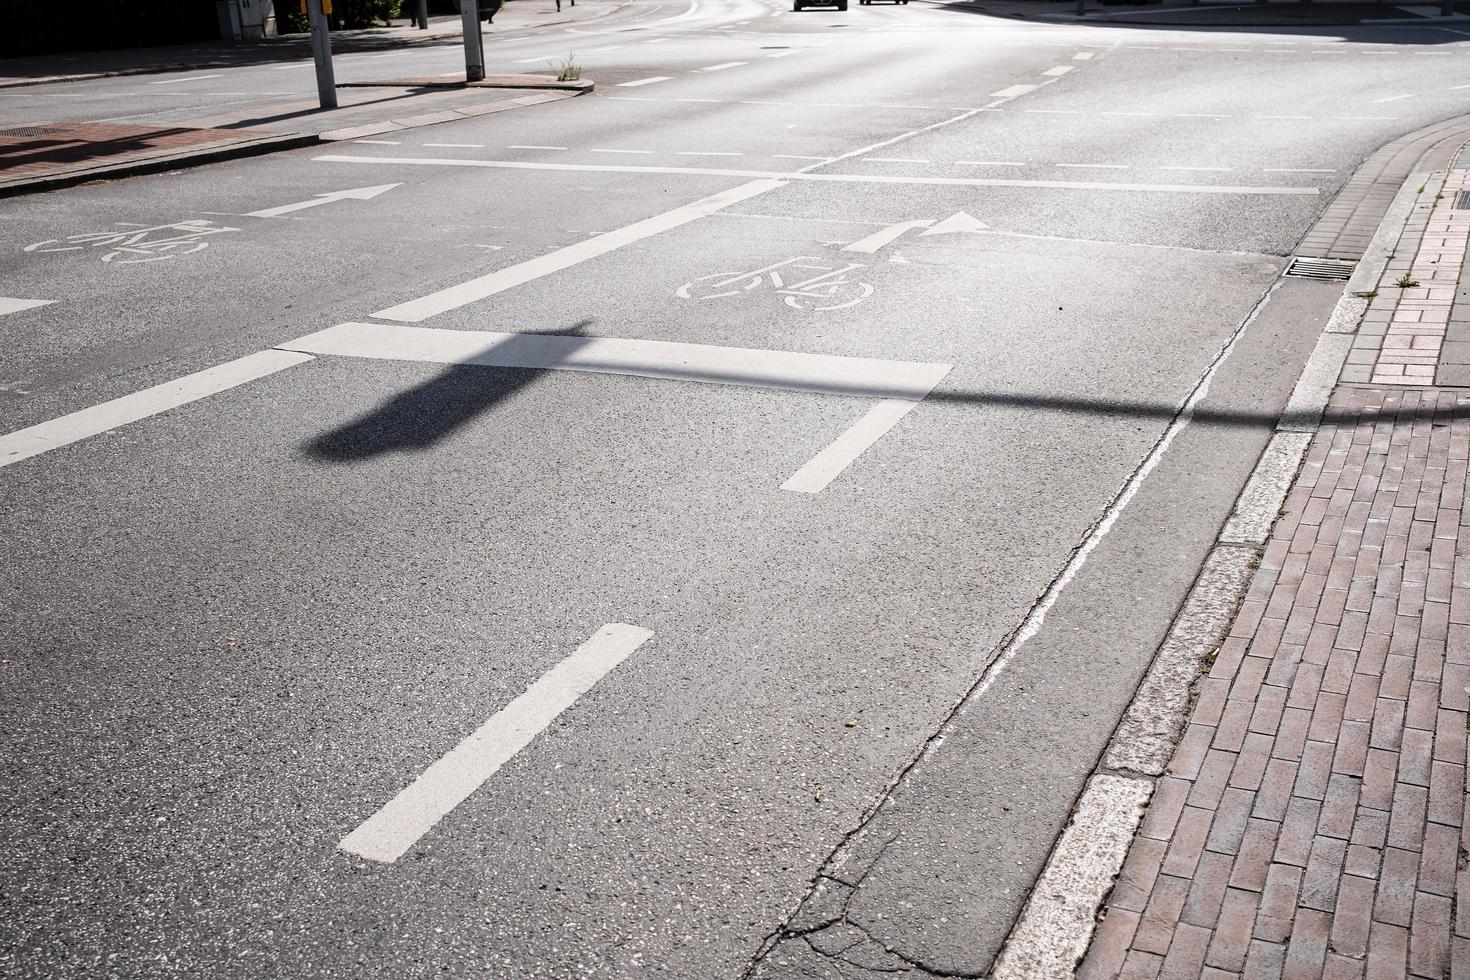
[(1313, 819)]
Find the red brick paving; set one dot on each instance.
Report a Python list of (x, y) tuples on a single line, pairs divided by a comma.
[(1313, 820), (54, 148)]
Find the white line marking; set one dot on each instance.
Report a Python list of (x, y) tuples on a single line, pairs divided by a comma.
[(709, 153), (388, 834), (1058, 71), (461, 146), (1013, 91), (988, 163), (1200, 169), (1393, 98), (645, 81), (453, 297), (10, 305), (862, 377), (637, 152), (522, 147), (1096, 166), (191, 78), (895, 160), (794, 156), (88, 422), (1456, 88), (1129, 113), (1200, 115), (728, 64), (526, 61), (1282, 117), (826, 465), (780, 54), (380, 142), (1075, 185), (1054, 112), (1296, 170), (1083, 56)]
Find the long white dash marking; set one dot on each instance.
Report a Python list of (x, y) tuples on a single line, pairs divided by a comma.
[(895, 160), (459, 146), (862, 377), (191, 78), (453, 297), (11, 305), (1298, 170), (1058, 71), (1393, 98), (388, 834), (57, 432), (828, 464), (728, 64), (1013, 91), (1083, 56), (635, 152), (1096, 166), (380, 142), (710, 153), (803, 174), (524, 147), (645, 81)]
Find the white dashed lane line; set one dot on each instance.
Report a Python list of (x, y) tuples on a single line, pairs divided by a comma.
[(728, 64), (525, 147), (380, 142), (1058, 71), (1082, 56), (645, 81), (457, 146), (596, 149), (1013, 91), (1096, 166), (710, 153)]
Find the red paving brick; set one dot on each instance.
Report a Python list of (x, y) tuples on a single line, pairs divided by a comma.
[(1312, 824), (43, 149)]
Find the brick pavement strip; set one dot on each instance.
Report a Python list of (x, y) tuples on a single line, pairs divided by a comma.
[(1365, 868)]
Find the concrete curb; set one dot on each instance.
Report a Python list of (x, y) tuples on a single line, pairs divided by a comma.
[(1056, 926), (272, 144)]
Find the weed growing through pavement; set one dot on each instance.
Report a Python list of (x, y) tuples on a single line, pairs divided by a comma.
[(569, 70), (1406, 282)]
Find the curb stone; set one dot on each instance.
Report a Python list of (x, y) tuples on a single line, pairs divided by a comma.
[(1057, 924)]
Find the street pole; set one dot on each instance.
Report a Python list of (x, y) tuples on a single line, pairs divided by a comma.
[(423, 17), (474, 46), (321, 50), (1081, 8), (1447, 8)]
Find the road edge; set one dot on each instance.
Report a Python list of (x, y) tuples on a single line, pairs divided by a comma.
[(1051, 937)]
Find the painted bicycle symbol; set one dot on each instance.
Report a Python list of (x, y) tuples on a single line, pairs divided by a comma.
[(155, 244), (832, 288)]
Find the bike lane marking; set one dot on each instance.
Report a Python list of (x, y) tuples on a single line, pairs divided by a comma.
[(388, 834), (814, 475), (62, 431), (453, 297)]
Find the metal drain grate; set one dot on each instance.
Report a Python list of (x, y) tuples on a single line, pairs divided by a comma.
[(31, 131), (1462, 201), (1328, 270)]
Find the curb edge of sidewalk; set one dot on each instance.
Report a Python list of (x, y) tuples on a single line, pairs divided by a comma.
[(1052, 935), (269, 144)]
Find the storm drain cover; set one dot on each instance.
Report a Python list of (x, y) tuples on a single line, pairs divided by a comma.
[(1327, 270), (31, 131), (1462, 201)]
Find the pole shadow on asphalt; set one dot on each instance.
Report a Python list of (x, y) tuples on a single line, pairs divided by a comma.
[(420, 417)]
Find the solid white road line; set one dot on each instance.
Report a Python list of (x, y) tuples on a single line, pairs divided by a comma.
[(828, 464), (894, 160), (11, 305), (380, 142), (1075, 185), (638, 152), (1058, 71), (1013, 91), (862, 377), (191, 78), (988, 163), (388, 834), (453, 297), (709, 153), (461, 146), (514, 146), (645, 81), (1082, 56), (1295, 170), (37, 439), (728, 64)]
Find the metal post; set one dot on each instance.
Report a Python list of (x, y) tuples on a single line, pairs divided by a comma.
[(1447, 8), (423, 15), (474, 47), (1081, 8), (321, 50)]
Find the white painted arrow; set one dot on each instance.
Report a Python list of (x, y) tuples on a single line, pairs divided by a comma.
[(957, 222), (878, 239), (954, 224), (356, 194)]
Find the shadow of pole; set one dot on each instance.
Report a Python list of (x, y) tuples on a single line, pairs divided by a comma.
[(417, 419)]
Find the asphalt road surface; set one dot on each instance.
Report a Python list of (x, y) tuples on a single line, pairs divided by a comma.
[(423, 645)]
